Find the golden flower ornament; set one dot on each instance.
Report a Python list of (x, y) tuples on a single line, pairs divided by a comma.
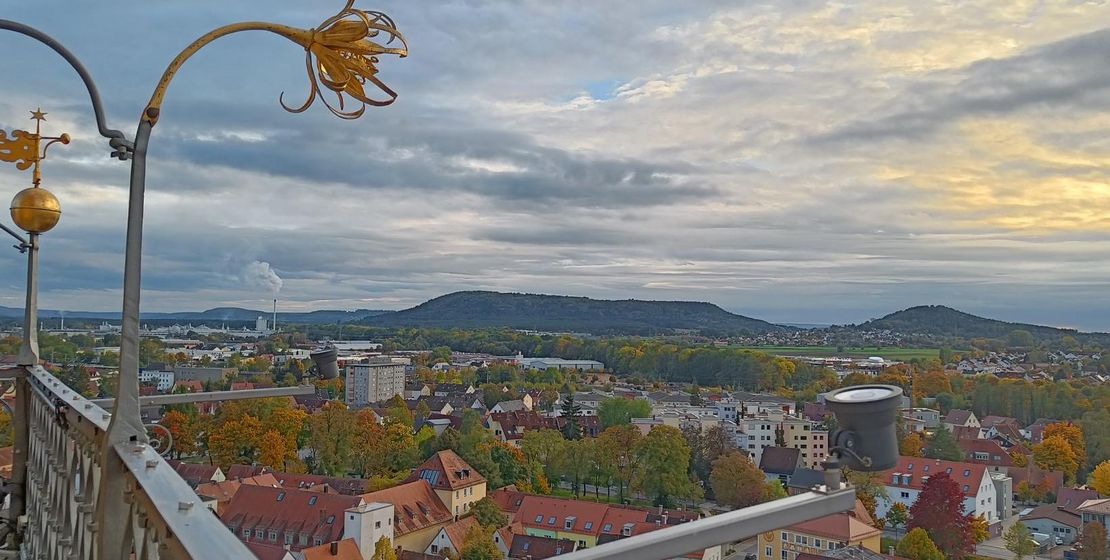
[(342, 55)]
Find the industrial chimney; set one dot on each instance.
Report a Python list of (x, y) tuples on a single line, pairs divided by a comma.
[(275, 315)]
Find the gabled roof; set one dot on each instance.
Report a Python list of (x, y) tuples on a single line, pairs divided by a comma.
[(415, 506), (1056, 514), (508, 499), (805, 479), (283, 509), (347, 486), (1101, 506), (195, 474), (842, 527), (914, 470), (539, 548), (1070, 499), (541, 512), (992, 420), (966, 432), (264, 551), (224, 491), (447, 471), (958, 416), (456, 531), (780, 460), (345, 549), (245, 471), (996, 455), (848, 553)]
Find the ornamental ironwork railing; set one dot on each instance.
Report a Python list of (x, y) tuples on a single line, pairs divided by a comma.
[(60, 463)]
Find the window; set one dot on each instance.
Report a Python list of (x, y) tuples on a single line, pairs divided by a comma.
[(435, 549), (289, 537), (784, 555), (607, 528), (312, 501), (767, 551), (280, 496), (581, 544), (377, 524), (948, 470), (966, 488), (258, 533), (246, 533), (925, 468), (589, 525), (905, 494), (909, 467), (318, 541), (273, 535), (551, 521), (967, 472), (784, 539), (539, 519), (817, 543)]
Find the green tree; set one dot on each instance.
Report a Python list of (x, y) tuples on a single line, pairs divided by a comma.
[(664, 460), (897, 515), (570, 412), (487, 513), (1093, 542), (1019, 541), (617, 411), (478, 545), (546, 448), (943, 446), (331, 432), (1020, 338), (736, 481), (615, 454), (918, 546)]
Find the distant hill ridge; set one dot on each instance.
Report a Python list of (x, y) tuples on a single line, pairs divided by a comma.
[(479, 309), (938, 320), (215, 314)]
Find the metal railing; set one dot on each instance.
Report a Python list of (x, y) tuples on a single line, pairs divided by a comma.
[(64, 462)]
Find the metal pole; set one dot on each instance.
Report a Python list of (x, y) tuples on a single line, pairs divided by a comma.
[(126, 424), (29, 350)]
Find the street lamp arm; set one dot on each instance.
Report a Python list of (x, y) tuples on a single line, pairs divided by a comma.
[(116, 139)]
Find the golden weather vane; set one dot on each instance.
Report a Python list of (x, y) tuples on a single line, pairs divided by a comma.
[(35, 209)]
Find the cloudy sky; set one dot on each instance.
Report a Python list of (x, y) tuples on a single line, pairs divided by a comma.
[(790, 160)]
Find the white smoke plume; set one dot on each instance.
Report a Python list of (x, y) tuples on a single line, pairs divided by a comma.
[(260, 274)]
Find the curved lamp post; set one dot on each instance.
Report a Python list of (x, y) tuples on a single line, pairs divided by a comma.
[(341, 58)]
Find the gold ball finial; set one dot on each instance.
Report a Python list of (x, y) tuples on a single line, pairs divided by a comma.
[(36, 210)]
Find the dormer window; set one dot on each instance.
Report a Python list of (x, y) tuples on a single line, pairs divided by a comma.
[(568, 524), (627, 530)]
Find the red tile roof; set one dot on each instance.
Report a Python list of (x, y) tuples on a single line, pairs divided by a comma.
[(1070, 498), (965, 432), (967, 475), (195, 474), (345, 549), (508, 499), (224, 491), (539, 548), (957, 417), (456, 532), (996, 455), (1057, 514), (415, 505), (264, 551), (312, 514), (447, 471), (842, 527)]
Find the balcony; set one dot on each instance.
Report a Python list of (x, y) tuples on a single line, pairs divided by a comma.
[(61, 441)]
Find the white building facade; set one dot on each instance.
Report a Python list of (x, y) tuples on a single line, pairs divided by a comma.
[(162, 380), (373, 382)]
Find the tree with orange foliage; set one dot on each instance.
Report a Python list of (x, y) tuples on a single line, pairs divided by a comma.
[(235, 441), (1019, 459), (183, 431), (1073, 434), (912, 445), (274, 451), (1056, 454)]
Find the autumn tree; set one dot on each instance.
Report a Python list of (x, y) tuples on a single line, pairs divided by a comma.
[(1056, 454), (488, 514), (478, 545), (917, 545), (235, 442), (383, 550), (897, 515), (943, 446), (273, 450), (1092, 542), (939, 509), (1019, 459), (183, 430), (615, 454), (1099, 480), (1019, 541), (1073, 434), (664, 460), (736, 481), (912, 445), (546, 448), (510, 461), (980, 529), (331, 433)]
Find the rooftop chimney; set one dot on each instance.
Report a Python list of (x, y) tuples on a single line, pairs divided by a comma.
[(335, 548)]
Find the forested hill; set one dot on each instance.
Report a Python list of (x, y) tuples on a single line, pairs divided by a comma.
[(938, 320), (478, 309)]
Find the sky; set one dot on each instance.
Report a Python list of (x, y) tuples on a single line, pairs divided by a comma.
[(795, 161)]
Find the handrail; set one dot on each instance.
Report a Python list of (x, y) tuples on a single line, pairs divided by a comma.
[(163, 516)]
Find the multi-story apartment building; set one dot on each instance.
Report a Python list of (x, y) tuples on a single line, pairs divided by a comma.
[(754, 434), (374, 381), (162, 380), (832, 532), (985, 493), (456, 483)]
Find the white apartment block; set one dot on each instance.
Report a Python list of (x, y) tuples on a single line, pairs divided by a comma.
[(372, 382), (163, 380), (757, 433)]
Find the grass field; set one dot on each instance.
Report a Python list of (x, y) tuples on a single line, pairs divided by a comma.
[(888, 352)]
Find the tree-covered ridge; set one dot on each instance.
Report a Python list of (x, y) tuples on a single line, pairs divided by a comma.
[(941, 321), (576, 314)]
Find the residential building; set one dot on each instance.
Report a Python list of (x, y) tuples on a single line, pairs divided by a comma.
[(754, 434), (1096, 511), (960, 418), (832, 532), (985, 452), (929, 417), (753, 404), (216, 495), (1056, 521), (203, 374), (516, 405), (197, 474), (510, 427), (284, 517), (367, 523), (779, 463), (418, 513), (162, 380), (456, 483), (526, 547), (905, 481), (416, 389), (374, 381), (449, 539), (453, 389)]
